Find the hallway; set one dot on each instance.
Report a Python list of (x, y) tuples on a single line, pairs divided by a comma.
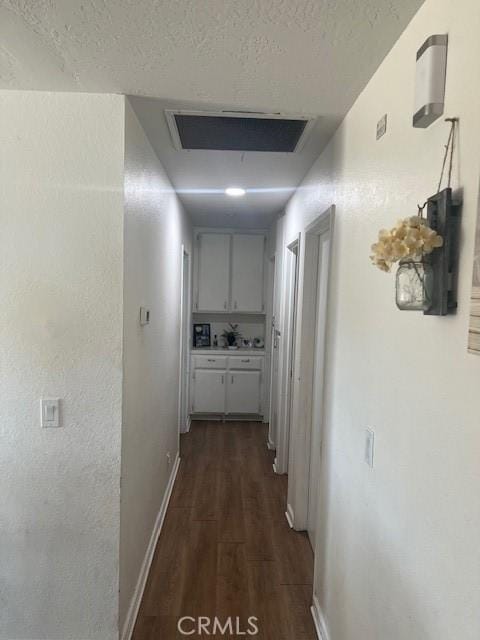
[(225, 547)]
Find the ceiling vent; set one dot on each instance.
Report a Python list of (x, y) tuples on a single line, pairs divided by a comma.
[(238, 131)]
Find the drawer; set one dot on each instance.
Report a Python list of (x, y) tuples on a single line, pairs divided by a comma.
[(245, 362), (209, 362)]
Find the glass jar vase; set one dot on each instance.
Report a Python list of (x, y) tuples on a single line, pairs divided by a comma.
[(414, 284)]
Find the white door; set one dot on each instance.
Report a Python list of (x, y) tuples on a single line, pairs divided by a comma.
[(243, 392), (208, 395), (285, 393), (184, 343), (213, 276), (247, 273), (318, 383)]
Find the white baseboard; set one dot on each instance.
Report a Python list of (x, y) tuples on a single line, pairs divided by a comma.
[(186, 427), (319, 620), (270, 445), (289, 516), (147, 561)]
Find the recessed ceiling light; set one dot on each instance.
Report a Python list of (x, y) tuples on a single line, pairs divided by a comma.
[(235, 192)]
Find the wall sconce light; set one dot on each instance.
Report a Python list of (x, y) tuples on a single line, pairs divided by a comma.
[(430, 80)]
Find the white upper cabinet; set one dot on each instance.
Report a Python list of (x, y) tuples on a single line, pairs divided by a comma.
[(247, 273), (213, 265), (229, 272)]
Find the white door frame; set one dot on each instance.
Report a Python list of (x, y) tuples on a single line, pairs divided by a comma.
[(184, 368), (272, 360), (287, 356), (302, 404)]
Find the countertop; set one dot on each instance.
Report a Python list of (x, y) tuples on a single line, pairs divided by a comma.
[(228, 352)]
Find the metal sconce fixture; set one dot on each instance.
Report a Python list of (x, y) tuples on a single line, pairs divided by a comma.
[(430, 80)]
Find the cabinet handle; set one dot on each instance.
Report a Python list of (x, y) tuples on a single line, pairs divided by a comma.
[(235, 304), (225, 304), (211, 360), (247, 360), (232, 379), (223, 379)]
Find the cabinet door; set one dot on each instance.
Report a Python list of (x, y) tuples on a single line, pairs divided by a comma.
[(247, 273), (208, 393), (243, 392), (213, 277)]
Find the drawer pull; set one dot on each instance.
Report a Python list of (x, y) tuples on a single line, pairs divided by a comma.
[(247, 360), (211, 360)]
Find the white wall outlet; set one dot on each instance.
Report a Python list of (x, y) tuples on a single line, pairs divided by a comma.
[(382, 127), (50, 412), (369, 446), (144, 316)]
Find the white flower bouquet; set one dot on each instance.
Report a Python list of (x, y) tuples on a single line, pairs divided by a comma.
[(410, 238)]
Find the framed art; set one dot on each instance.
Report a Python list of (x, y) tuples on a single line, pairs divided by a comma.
[(201, 335)]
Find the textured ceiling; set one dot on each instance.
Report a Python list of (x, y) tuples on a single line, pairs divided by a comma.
[(293, 56), (200, 177)]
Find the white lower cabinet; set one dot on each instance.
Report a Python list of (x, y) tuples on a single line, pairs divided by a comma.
[(208, 391), (243, 392), (226, 385)]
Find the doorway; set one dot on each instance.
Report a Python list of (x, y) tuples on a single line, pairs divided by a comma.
[(323, 261), (308, 397), (287, 357), (183, 412), (272, 357)]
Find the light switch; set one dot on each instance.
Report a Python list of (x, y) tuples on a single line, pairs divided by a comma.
[(50, 412), (369, 446)]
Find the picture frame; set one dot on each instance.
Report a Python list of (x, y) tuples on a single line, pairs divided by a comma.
[(201, 335)]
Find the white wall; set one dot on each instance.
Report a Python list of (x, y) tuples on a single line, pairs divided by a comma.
[(155, 228), (400, 553), (61, 220)]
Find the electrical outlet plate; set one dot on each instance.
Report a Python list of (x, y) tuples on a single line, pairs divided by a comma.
[(144, 316), (50, 412), (382, 126), (369, 446)]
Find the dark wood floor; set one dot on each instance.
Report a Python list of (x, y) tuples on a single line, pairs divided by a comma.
[(226, 548)]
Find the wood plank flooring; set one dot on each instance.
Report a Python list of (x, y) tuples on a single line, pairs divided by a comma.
[(226, 548)]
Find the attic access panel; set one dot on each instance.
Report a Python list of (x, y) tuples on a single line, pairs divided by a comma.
[(237, 131)]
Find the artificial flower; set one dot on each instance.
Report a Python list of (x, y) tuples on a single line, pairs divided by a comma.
[(410, 238)]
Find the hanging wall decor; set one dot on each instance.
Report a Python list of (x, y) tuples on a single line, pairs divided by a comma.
[(474, 326), (426, 250)]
